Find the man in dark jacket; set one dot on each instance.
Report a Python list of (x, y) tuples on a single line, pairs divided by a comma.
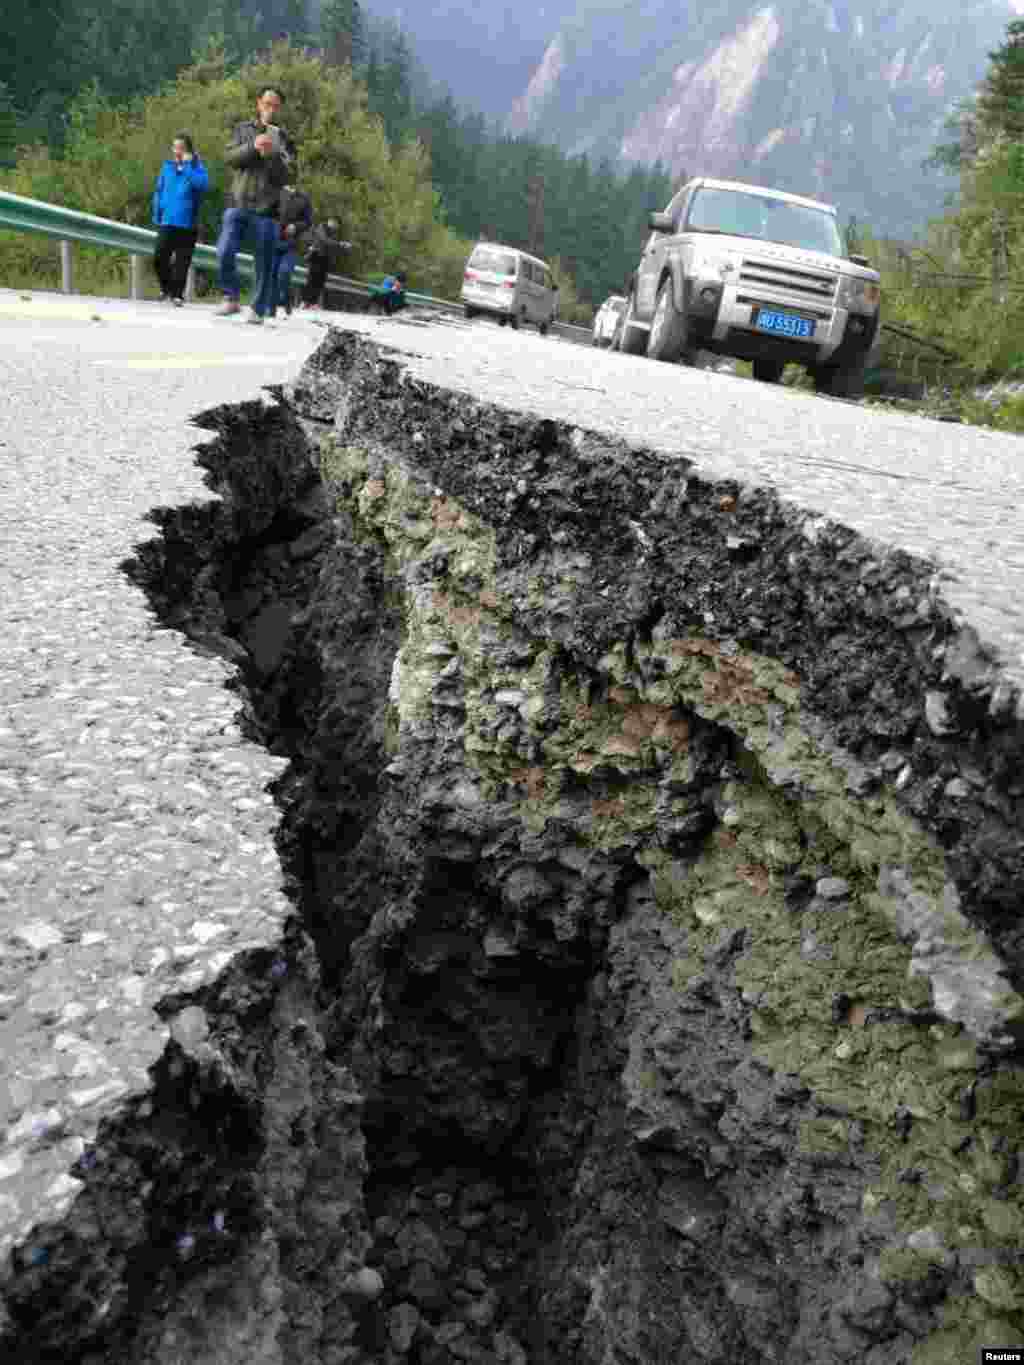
[(180, 186), (323, 247), (295, 220), (263, 158)]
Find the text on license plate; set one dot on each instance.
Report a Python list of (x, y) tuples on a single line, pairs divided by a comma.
[(786, 323)]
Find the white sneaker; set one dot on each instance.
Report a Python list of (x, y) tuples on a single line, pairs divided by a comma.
[(178, 303), (255, 318)]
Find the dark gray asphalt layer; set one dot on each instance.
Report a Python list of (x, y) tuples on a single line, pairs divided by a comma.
[(950, 494)]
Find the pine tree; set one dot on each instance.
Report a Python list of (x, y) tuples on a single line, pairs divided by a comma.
[(342, 32), (1000, 105), (9, 127)]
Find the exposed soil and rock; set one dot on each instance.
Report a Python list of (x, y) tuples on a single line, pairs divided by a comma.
[(653, 988)]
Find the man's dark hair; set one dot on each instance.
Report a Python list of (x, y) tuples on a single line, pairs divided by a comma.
[(401, 276), (189, 144), (271, 90)]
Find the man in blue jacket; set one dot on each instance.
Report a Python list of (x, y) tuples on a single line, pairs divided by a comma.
[(180, 186)]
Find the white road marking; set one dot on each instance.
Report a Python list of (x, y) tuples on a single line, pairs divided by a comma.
[(194, 360)]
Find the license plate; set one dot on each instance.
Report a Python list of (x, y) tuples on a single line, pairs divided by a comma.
[(786, 324)]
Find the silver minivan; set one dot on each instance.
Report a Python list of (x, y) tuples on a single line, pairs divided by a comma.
[(510, 285)]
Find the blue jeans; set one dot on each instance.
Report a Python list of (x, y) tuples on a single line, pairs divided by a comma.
[(238, 224), (285, 261)]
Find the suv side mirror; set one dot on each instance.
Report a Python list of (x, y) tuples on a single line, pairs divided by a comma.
[(661, 222), (861, 260)]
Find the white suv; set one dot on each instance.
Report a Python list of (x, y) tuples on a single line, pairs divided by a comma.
[(758, 274)]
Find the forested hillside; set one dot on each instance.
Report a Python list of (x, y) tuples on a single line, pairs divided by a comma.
[(104, 106)]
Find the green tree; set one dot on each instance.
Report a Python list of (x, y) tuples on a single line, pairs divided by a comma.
[(389, 84), (961, 150), (1000, 104), (32, 53), (342, 32), (127, 47), (10, 128)]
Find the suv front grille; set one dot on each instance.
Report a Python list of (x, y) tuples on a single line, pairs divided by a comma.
[(804, 282)]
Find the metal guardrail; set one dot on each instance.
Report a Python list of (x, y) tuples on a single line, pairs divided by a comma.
[(71, 225), (22, 214)]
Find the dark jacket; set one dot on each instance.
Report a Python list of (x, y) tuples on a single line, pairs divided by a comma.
[(259, 180), (323, 242), (179, 191), (294, 210)]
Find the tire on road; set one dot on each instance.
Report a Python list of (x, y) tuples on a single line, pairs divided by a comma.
[(469, 313), (769, 371), (667, 338), (631, 340), (542, 327), (841, 381)]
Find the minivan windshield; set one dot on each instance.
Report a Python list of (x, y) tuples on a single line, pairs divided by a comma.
[(765, 218), (492, 259)]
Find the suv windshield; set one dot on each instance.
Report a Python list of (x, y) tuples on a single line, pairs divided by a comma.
[(764, 217), (498, 262)]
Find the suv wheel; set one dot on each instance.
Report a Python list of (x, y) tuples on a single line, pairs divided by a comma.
[(667, 337), (768, 371), (629, 339), (842, 381)]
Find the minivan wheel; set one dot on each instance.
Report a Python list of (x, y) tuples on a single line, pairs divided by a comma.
[(768, 371), (502, 321), (469, 313), (667, 337), (629, 339)]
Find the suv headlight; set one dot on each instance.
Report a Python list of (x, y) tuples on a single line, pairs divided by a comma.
[(705, 266), (867, 293)]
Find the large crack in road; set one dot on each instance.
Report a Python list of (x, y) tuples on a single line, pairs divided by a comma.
[(651, 988)]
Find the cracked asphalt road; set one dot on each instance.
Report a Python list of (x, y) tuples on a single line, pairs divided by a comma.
[(136, 852)]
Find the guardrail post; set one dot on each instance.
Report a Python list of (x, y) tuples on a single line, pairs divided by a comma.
[(67, 274), (136, 276), (190, 285)]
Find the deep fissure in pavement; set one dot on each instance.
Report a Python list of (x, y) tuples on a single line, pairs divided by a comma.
[(635, 1005)]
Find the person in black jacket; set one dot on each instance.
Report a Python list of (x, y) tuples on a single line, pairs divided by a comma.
[(324, 244), (263, 157), (295, 220)]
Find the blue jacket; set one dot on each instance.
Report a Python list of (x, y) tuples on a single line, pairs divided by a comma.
[(179, 192)]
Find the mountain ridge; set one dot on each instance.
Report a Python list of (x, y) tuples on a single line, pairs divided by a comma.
[(836, 98)]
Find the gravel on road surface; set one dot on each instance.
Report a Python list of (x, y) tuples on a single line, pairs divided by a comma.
[(136, 837)]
